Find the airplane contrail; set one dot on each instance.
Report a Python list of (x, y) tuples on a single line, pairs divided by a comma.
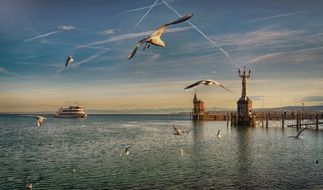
[(144, 15), (207, 38), (43, 35)]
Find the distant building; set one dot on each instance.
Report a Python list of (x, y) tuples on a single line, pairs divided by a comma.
[(198, 108)]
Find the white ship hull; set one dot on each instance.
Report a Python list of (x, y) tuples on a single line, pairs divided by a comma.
[(71, 112)]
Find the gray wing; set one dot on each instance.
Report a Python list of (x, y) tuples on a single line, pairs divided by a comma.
[(225, 88), (182, 19), (195, 84), (136, 48), (299, 133), (127, 148)]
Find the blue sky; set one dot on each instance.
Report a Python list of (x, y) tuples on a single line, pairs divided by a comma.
[(280, 41)]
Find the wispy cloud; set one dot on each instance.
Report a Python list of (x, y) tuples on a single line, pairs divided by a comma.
[(106, 32), (5, 71), (313, 99), (300, 55), (60, 29), (131, 36), (275, 16), (92, 57), (66, 27)]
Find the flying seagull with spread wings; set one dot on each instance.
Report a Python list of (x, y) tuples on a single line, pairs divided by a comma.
[(155, 37), (69, 60), (40, 120), (179, 131), (126, 151), (207, 82), (298, 134)]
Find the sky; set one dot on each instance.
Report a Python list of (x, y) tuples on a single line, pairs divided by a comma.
[(281, 42)]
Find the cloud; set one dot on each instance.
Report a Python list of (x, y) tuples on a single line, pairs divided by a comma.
[(106, 32), (60, 29), (295, 56), (5, 71), (66, 27), (275, 16), (313, 99), (132, 35)]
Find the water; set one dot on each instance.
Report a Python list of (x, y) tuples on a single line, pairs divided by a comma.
[(256, 158)]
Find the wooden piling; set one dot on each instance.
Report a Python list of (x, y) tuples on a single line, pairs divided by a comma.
[(283, 119), (267, 120), (317, 122)]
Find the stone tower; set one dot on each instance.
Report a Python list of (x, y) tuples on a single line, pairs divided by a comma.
[(198, 108), (244, 104)]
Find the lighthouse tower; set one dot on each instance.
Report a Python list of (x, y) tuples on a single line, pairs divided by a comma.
[(244, 104)]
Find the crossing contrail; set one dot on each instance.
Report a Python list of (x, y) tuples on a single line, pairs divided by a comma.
[(142, 18), (207, 38)]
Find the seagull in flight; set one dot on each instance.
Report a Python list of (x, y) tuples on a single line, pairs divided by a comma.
[(180, 132), (155, 37), (298, 134), (40, 120), (126, 151), (207, 82), (69, 60), (218, 135)]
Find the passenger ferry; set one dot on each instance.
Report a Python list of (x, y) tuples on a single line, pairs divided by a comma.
[(71, 112)]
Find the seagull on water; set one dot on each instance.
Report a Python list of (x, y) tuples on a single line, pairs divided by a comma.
[(218, 135), (69, 60), (298, 135), (154, 38), (181, 151), (207, 82), (126, 151), (40, 120), (179, 131)]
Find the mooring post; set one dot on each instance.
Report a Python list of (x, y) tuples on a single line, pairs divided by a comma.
[(283, 119), (317, 121), (267, 120), (227, 118)]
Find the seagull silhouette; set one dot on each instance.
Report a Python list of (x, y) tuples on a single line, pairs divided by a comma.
[(298, 134), (69, 60), (40, 120), (180, 132), (207, 82), (155, 37)]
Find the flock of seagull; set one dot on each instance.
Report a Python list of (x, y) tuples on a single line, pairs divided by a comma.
[(155, 39)]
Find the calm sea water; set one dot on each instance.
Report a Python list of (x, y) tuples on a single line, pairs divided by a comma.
[(255, 158)]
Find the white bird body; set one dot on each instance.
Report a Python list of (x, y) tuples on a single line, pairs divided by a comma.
[(40, 120), (69, 60), (155, 37), (181, 152), (207, 82), (218, 135), (126, 151)]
